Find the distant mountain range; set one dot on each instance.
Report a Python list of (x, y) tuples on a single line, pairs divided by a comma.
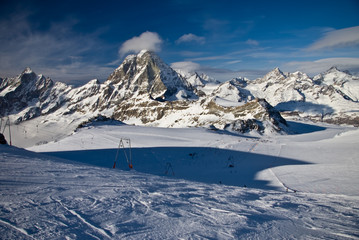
[(144, 90)]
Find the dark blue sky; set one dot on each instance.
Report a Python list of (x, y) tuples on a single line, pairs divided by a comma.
[(80, 40)]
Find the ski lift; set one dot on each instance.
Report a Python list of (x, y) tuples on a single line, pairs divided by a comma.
[(230, 162), (168, 168), (125, 143)]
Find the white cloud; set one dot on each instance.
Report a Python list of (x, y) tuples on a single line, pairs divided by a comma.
[(190, 38), (321, 65), (338, 38), (252, 42), (147, 40), (187, 67), (234, 61)]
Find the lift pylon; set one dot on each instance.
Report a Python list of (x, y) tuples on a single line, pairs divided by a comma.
[(125, 145)]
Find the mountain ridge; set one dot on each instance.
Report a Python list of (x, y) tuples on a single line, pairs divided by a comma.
[(144, 90)]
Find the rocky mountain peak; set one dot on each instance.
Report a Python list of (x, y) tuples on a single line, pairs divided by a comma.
[(17, 93), (27, 75), (276, 75), (28, 81), (145, 73), (276, 71), (335, 69), (334, 76), (27, 70)]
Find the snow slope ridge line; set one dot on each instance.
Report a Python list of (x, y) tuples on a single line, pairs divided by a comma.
[(73, 212), (275, 175)]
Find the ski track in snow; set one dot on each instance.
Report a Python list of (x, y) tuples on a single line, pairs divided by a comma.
[(42, 197), (96, 229), (23, 231)]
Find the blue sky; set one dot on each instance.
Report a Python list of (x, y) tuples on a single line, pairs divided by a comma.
[(76, 41)]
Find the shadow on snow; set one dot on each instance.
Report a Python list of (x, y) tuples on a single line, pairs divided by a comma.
[(302, 128), (304, 107), (209, 165)]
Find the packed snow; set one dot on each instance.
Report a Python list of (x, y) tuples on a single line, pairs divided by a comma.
[(185, 184)]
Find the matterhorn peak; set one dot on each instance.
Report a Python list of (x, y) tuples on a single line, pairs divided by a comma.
[(146, 73), (144, 51)]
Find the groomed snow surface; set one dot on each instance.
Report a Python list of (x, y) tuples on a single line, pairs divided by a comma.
[(185, 184)]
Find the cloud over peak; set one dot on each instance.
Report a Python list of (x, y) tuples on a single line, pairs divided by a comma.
[(186, 66), (147, 40), (345, 37)]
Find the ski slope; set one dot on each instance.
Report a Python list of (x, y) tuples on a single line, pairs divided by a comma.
[(219, 186), (320, 159)]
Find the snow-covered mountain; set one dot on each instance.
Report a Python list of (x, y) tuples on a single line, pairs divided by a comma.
[(145, 74), (144, 90), (17, 94), (331, 96)]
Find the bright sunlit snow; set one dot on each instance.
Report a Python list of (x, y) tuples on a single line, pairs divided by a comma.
[(185, 184)]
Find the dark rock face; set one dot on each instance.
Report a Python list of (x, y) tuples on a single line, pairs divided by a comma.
[(264, 113), (273, 113), (244, 126)]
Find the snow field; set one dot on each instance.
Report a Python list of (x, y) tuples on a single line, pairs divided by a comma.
[(43, 197), (320, 159), (224, 186)]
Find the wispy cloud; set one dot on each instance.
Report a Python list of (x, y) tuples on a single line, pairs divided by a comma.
[(211, 58), (147, 40), (338, 38), (216, 25), (221, 74), (56, 52), (234, 62), (191, 53), (190, 37), (252, 42), (321, 65)]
